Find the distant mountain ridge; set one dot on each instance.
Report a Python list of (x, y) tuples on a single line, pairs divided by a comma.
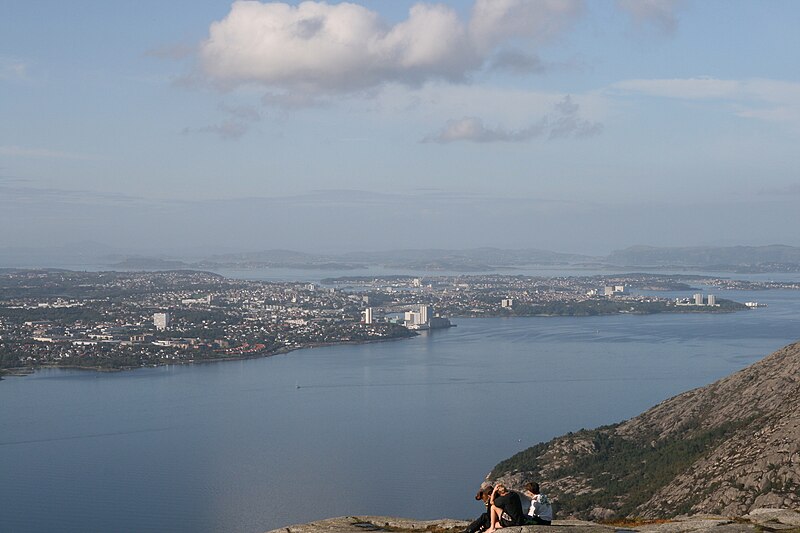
[(772, 258), (727, 448), (475, 259), (705, 256)]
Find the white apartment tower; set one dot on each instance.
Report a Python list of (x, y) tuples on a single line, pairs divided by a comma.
[(161, 321), (425, 313), (368, 315)]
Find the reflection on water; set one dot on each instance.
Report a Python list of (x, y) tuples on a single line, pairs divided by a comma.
[(372, 429)]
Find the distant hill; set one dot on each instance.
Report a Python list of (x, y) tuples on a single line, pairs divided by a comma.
[(743, 259), (483, 257), (704, 256), (267, 256), (727, 448), (149, 263), (411, 259)]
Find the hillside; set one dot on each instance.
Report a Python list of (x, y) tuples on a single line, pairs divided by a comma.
[(727, 448), (774, 257)]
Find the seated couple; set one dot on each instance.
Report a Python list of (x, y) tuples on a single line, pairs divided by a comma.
[(506, 508)]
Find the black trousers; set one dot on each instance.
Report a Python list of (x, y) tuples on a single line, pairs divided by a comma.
[(535, 520), (479, 524)]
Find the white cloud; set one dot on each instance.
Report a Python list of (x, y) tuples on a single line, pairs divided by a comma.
[(473, 129), (319, 47), (495, 22), (316, 48), (563, 121), (659, 13), (763, 99)]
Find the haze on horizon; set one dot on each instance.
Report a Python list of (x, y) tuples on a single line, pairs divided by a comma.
[(566, 125)]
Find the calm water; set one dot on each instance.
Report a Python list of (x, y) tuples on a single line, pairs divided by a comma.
[(406, 428)]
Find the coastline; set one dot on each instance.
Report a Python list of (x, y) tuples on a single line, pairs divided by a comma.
[(25, 371), (28, 370)]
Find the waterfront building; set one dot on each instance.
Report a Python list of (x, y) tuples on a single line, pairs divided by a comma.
[(368, 315), (712, 300), (425, 313), (419, 319), (698, 299)]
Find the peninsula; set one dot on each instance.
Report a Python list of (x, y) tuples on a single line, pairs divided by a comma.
[(121, 320)]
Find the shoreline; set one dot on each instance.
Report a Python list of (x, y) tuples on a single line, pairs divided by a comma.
[(28, 370)]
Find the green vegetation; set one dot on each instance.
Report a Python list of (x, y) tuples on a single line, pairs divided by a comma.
[(622, 473), (59, 315)]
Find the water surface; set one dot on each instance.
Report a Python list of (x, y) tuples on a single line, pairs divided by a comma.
[(404, 428)]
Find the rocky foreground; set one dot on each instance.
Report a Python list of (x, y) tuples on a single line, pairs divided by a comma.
[(728, 448), (757, 521)]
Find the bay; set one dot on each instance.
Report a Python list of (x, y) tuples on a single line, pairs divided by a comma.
[(404, 428)]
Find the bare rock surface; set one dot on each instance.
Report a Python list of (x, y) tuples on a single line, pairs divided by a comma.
[(757, 521), (727, 448)]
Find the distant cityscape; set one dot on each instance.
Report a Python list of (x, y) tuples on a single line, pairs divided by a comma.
[(113, 320)]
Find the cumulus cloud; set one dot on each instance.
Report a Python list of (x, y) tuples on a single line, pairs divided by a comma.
[(495, 22), (316, 48), (473, 129), (659, 13), (563, 121)]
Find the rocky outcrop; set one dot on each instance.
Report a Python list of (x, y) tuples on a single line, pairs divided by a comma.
[(758, 521), (727, 448)]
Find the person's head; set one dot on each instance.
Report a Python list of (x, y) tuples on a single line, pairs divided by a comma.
[(485, 492), (501, 489), (532, 487)]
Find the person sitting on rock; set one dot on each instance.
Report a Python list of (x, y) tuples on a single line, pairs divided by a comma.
[(540, 512), (506, 509), (483, 522)]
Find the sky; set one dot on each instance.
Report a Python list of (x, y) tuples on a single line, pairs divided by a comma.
[(568, 125)]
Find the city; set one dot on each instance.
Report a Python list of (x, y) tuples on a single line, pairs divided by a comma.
[(113, 320)]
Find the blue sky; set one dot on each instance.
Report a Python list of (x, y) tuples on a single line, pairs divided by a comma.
[(561, 124)]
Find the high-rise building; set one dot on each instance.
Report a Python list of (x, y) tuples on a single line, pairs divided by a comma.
[(425, 313), (698, 299), (712, 300), (368, 315), (161, 321)]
